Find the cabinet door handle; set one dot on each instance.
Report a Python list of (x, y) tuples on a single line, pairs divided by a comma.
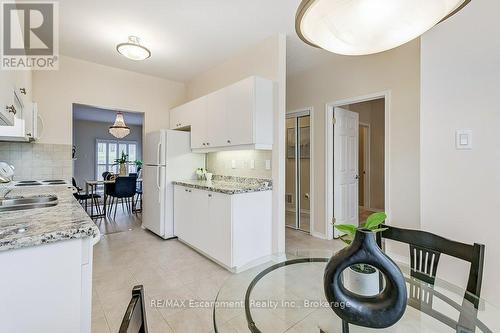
[(203, 143), (23, 91), (209, 195), (228, 141), (208, 143), (11, 109)]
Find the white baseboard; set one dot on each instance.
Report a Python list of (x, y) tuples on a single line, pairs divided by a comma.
[(319, 235)]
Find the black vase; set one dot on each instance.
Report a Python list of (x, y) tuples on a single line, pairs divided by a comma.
[(379, 311)]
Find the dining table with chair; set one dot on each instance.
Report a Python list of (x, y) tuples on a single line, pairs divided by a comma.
[(290, 291), (116, 189)]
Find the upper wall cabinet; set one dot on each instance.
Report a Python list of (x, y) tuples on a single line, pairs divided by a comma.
[(17, 112), (239, 116)]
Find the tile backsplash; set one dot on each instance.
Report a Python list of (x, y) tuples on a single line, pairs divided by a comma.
[(37, 160), (242, 163)]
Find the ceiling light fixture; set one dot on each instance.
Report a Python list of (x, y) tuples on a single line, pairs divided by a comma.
[(360, 27), (119, 129), (133, 49)]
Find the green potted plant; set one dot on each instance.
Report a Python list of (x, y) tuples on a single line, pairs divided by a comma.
[(362, 279), (138, 165), (200, 173), (122, 162)]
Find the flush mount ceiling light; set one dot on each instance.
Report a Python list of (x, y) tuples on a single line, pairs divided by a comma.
[(119, 129), (133, 49), (360, 27)]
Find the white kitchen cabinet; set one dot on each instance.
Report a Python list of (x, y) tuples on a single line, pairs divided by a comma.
[(7, 83), (48, 287), (183, 116), (182, 212), (219, 218), (179, 117), (15, 106), (191, 220), (239, 116), (239, 113), (233, 230), (199, 126), (215, 119)]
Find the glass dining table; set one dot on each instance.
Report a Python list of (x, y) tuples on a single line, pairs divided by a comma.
[(285, 294)]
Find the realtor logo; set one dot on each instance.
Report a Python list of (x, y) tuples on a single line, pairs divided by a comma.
[(30, 35)]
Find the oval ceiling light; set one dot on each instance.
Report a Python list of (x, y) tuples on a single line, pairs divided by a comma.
[(133, 49), (360, 27)]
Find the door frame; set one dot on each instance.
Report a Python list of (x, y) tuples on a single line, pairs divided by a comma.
[(304, 111), (367, 153), (329, 153)]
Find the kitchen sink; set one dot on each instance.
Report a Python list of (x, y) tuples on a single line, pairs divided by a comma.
[(22, 203)]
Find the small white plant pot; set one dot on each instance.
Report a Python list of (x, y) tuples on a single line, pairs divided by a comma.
[(361, 283)]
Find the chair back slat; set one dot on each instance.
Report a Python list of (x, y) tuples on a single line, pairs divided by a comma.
[(134, 320), (426, 249), (423, 263)]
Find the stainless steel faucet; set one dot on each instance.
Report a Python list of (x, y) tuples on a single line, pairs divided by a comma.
[(6, 172)]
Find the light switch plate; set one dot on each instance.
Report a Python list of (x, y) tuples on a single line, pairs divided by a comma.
[(268, 164), (233, 164), (463, 139), (252, 164)]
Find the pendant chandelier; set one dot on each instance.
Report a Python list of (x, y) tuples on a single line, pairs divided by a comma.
[(119, 129), (360, 27)]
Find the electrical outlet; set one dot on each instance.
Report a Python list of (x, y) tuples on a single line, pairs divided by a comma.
[(233, 164), (252, 164), (463, 139), (268, 164)]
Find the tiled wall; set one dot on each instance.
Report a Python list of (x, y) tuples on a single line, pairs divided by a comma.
[(221, 163), (38, 161)]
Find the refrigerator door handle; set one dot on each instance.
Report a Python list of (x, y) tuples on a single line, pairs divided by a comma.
[(158, 151), (158, 183)]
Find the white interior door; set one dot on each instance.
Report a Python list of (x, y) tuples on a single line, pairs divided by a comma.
[(345, 167)]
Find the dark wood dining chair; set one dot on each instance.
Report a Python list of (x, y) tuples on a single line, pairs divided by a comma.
[(134, 320), (425, 251)]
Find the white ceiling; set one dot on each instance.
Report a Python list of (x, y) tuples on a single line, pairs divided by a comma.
[(90, 113), (186, 37)]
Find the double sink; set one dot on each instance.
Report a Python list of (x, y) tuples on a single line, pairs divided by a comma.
[(23, 203)]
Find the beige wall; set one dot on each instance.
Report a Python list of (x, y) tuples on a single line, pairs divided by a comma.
[(83, 82), (220, 163), (266, 59), (461, 90), (397, 71), (372, 113)]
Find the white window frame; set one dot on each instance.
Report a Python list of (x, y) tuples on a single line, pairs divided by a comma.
[(107, 142)]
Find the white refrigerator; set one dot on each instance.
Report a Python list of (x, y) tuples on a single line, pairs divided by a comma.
[(167, 157)]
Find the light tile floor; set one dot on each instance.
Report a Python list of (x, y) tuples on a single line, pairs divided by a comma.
[(168, 270)]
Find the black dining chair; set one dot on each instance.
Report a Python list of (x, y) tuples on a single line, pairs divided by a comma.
[(83, 197), (425, 251), (134, 320), (106, 175), (124, 188)]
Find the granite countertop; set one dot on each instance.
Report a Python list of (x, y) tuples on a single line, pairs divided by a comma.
[(229, 185), (66, 220)]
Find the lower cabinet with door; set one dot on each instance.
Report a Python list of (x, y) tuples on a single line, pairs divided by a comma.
[(232, 229)]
